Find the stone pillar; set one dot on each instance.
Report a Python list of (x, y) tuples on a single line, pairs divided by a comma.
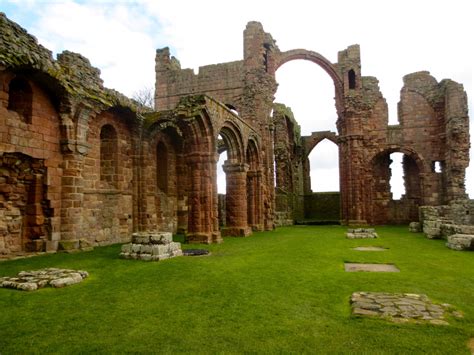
[(202, 216), (254, 200), (236, 200), (72, 198), (74, 147), (35, 230), (352, 184)]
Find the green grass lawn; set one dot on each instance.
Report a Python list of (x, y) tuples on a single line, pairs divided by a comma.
[(275, 292)]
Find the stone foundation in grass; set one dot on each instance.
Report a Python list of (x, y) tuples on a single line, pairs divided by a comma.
[(370, 248), (361, 233), (402, 307), (151, 247), (355, 267), (53, 277)]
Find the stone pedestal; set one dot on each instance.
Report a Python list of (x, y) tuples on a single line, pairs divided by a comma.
[(361, 233), (151, 247)]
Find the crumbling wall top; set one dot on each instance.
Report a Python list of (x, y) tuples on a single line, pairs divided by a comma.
[(72, 72)]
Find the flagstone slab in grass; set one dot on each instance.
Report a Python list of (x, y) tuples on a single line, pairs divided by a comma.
[(370, 248), (35, 279), (196, 252), (402, 307), (355, 267)]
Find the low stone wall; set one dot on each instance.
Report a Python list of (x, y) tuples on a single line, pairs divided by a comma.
[(453, 222), (283, 219), (322, 206)]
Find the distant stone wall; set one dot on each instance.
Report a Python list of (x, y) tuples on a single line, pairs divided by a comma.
[(323, 206), (442, 221)]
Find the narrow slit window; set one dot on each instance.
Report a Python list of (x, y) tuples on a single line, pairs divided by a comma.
[(352, 79), (437, 167)]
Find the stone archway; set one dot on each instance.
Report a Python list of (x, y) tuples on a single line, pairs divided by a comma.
[(235, 168), (24, 222), (318, 59), (254, 187), (383, 208)]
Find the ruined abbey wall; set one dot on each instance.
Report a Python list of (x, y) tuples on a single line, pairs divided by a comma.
[(83, 165)]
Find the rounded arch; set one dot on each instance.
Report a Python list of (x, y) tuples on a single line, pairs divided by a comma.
[(419, 160), (233, 140), (252, 156), (317, 137), (389, 203), (318, 59)]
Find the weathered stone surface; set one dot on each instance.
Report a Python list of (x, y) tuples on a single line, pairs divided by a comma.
[(361, 233), (355, 267), (461, 242), (94, 166), (369, 248), (151, 247), (404, 307), (415, 227), (33, 280)]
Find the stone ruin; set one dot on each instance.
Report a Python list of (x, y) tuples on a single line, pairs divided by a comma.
[(361, 233), (50, 277), (151, 247), (82, 165), (453, 222), (402, 308)]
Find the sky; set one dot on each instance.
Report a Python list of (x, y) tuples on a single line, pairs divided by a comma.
[(396, 38)]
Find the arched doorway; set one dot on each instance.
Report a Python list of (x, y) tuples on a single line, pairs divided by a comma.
[(235, 169), (318, 96), (385, 207)]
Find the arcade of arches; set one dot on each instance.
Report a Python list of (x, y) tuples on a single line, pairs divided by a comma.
[(83, 165)]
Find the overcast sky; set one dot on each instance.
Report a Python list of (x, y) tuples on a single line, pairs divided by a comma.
[(396, 38)]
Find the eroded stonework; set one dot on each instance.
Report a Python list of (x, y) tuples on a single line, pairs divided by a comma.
[(151, 247), (402, 307), (35, 279), (97, 167)]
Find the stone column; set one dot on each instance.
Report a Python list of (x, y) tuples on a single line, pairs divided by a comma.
[(202, 214), (236, 200), (74, 147), (352, 184), (254, 200), (72, 198)]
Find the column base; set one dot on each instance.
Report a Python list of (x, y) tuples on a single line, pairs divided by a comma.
[(204, 238), (236, 231)]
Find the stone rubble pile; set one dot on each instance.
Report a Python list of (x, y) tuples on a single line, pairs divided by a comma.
[(53, 277), (453, 223), (401, 307), (361, 233), (151, 247)]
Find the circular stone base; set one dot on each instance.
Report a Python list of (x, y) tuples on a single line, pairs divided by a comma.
[(195, 252)]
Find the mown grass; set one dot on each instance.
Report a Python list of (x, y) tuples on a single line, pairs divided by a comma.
[(276, 292)]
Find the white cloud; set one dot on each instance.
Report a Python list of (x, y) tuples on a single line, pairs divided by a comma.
[(111, 37)]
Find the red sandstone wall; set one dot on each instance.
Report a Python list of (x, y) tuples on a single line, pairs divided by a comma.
[(38, 139), (108, 207)]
